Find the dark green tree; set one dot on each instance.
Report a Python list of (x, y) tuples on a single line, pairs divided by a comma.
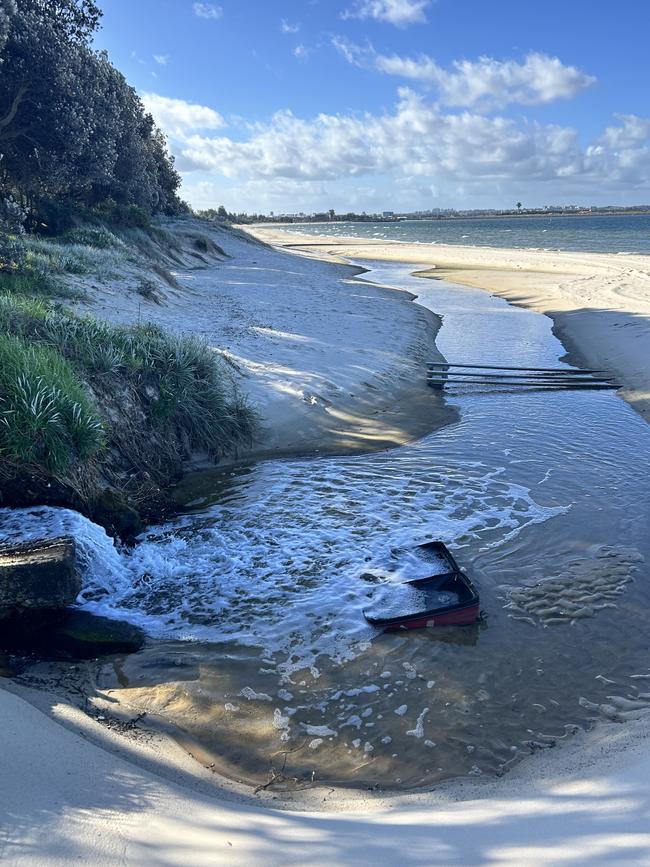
[(70, 125)]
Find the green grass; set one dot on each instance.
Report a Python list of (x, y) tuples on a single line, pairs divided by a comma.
[(179, 382), (100, 238), (83, 402), (30, 280), (59, 257), (46, 415)]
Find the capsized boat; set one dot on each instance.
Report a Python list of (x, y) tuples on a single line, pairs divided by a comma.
[(446, 597)]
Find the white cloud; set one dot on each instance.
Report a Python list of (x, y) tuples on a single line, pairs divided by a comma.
[(632, 132), (179, 118), (622, 154), (354, 54), (256, 195), (301, 52), (207, 10), (401, 13), (416, 139), (286, 27), (419, 141), (161, 59), (483, 84)]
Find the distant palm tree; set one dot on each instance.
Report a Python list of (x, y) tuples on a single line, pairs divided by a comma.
[(519, 206)]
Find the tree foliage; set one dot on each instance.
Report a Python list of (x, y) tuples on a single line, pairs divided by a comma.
[(71, 127)]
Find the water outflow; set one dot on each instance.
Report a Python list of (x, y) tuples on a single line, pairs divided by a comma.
[(543, 498)]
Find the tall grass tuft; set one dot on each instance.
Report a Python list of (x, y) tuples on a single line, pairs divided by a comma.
[(31, 279), (100, 237), (103, 260), (179, 382), (46, 415)]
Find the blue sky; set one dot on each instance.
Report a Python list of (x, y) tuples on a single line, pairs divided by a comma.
[(393, 104)]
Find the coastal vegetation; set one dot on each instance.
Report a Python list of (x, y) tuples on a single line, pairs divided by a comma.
[(96, 416), (86, 406), (74, 136)]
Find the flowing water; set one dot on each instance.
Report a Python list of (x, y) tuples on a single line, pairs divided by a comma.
[(259, 649)]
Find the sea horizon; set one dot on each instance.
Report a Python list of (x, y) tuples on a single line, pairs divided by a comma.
[(611, 233)]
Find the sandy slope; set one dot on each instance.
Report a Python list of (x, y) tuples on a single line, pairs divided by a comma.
[(331, 363), (64, 799), (600, 302)]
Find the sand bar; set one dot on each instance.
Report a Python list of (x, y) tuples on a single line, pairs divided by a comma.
[(600, 302)]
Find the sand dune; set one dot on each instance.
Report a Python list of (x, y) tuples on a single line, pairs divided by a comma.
[(332, 364)]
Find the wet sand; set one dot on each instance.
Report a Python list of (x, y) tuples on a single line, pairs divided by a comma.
[(600, 302), (75, 791)]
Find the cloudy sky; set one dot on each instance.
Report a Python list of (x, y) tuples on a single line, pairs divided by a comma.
[(303, 105)]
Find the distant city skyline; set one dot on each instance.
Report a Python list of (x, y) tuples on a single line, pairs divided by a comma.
[(568, 209), (400, 104)]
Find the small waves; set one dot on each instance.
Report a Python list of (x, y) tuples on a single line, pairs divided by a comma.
[(605, 234)]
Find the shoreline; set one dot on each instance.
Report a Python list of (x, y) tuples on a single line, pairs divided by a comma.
[(150, 785), (599, 302), (332, 364), (135, 798), (512, 215)]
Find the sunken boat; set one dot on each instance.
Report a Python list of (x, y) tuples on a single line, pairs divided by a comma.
[(444, 597)]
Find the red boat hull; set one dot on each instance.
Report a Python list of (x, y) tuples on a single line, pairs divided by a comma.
[(461, 617)]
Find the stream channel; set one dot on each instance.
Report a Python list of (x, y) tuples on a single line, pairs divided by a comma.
[(258, 648)]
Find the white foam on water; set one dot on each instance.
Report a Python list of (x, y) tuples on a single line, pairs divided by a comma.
[(279, 568), (418, 731), (103, 565), (320, 731), (249, 693)]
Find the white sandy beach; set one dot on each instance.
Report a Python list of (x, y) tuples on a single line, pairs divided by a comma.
[(600, 302), (74, 791), (332, 364)]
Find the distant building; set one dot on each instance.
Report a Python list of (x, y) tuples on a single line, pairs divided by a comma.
[(388, 213)]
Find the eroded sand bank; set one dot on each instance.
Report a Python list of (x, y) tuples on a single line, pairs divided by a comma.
[(331, 363)]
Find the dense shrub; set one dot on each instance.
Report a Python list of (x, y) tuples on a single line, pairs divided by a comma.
[(20, 270), (124, 216), (53, 216), (100, 238), (12, 220)]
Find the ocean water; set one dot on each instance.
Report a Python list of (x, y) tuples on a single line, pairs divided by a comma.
[(606, 234)]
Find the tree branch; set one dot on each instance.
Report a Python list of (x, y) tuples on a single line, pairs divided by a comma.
[(15, 105)]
